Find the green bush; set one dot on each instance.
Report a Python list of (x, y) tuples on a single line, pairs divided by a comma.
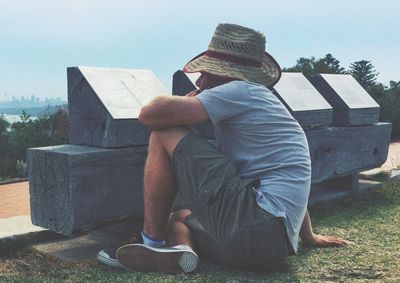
[(389, 100), (16, 138), (6, 164)]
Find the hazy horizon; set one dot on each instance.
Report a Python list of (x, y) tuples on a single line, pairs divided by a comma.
[(41, 38)]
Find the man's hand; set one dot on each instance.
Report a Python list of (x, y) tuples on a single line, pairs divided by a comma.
[(310, 239), (193, 93), (325, 241)]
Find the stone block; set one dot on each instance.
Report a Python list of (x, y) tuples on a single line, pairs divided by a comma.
[(341, 151), (104, 105), (305, 103), (74, 188), (352, 105)]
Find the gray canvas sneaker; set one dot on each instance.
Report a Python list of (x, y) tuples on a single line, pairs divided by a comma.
[(138, 257), (109, 256)]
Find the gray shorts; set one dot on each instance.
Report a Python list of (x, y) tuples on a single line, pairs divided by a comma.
[(228, 225)]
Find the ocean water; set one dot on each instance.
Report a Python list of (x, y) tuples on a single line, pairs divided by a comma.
[(15, 118)]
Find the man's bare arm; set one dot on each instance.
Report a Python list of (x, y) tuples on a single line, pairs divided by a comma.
[(308, 238), (169, 111)]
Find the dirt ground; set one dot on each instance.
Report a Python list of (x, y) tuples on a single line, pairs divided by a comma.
[(14, 199), (393, 160)]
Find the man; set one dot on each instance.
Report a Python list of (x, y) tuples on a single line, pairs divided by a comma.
[(241, 202)]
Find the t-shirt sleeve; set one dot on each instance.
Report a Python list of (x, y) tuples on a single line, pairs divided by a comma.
[(225, 101)]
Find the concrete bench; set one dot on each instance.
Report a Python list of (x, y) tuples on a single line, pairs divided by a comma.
[(98, 177)]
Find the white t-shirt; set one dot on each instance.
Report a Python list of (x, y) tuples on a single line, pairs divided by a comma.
[(255, 130)]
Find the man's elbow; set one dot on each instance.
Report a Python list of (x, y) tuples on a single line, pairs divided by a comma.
[(147, 118), (144, 116), (149, 114)]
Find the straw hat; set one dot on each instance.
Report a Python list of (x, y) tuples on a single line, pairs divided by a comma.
[(237, 52)]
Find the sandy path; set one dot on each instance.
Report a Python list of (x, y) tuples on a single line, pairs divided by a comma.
[(14, 199)]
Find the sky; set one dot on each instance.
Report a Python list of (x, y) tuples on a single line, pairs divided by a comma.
[(39, 39)]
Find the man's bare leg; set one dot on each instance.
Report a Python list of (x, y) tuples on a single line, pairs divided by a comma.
[(178, 232), (159, 194), (159, 181)]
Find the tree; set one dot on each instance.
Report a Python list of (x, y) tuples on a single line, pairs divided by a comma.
[(60, 125), (24, 116), (310, 66), (389, 100), (364, 72), (4, 124), (51, 130), (395, 87), (4, 136), (17, 137), (303, 65), (5, 148), (329, 65)]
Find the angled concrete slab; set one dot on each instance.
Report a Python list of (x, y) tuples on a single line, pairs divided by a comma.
[(16, 226), (86, 247), (303, 100), (352, 105), (104, 105)]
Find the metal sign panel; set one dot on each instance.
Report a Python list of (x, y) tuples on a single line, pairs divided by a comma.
[(299, 94), (123, 91), (193, 77), (350, 91)]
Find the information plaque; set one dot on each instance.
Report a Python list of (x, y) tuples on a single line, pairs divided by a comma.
[(104, 105), (305, 103), (352, 105)]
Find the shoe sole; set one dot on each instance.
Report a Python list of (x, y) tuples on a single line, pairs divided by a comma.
[(143, 258), (104, 259)]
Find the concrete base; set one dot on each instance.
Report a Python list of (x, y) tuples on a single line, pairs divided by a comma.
[(395, 175), (86, 247), (17, 226), (329, 192)]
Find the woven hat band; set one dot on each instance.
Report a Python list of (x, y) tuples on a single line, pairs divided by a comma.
[(232, 58)]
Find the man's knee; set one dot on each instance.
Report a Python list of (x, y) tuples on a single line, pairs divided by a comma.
[(179, 215), (176, 223), (168, 138)]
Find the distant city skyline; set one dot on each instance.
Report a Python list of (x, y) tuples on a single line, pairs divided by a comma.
[(41, 38), (28, 102)]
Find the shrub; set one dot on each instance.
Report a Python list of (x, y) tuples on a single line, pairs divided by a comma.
[(389, 101), (15, 140)]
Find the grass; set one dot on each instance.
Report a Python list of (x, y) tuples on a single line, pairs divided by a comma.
[(372, 222)]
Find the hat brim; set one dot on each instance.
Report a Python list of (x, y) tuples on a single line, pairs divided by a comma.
[(268, 74)]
